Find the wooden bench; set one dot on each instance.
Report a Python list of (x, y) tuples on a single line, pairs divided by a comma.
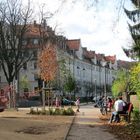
[(127, 115)]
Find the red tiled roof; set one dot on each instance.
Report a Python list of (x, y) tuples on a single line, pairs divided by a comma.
[(99, 56), (35, 31), (89, 54), (110, 58), (74, 44)]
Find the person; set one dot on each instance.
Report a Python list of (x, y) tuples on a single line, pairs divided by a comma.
[(109, 104), (100, 102), (78, 104), (118, 105), (61, 99), (57, 102)]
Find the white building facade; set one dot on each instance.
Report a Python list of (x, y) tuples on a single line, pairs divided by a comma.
[(93, 73)]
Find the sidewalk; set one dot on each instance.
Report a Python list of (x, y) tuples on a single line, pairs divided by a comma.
[(88, 126)]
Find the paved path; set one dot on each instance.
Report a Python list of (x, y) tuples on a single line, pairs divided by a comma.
[(87, 126)]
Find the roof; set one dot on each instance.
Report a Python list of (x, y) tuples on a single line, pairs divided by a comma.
[(73, 44), (125, 64), (99, 56), (110, 58), (89, 54), (35, 31)]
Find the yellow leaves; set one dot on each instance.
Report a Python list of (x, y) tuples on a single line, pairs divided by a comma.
[(48, 63)]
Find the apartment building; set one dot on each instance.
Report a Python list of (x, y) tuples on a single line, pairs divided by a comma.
[(93, 73)]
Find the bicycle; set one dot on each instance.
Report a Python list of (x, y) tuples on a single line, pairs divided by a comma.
[(103, 110)]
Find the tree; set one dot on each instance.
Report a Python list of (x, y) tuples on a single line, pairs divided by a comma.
[(135, 79), (119, 85), (63, 70), (70, 84), (127, 82), (13, 26), (134, 51), (24, 83), (48, 63)]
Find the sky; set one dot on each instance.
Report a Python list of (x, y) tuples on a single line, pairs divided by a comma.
[(102, 28)]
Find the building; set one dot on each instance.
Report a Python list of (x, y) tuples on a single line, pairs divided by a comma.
[(93, 73)]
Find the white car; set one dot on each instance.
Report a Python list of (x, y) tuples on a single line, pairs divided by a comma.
[(95, 99)]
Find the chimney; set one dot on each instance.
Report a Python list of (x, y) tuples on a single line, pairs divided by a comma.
[(44, 23), (34, 22)]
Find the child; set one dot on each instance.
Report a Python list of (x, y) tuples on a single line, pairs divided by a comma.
[(78, 104)]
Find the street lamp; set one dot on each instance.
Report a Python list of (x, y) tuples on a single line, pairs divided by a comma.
[(91, 91), (82, 75), (104, 65), (95, 91)]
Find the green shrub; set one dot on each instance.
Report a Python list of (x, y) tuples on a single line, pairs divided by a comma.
[(136, 115), (57, 111), (70, 111), (51, 111), (63, 111)]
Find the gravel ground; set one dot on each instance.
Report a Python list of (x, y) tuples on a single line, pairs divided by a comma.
[(88, 126), (19, 125), (22, 126)]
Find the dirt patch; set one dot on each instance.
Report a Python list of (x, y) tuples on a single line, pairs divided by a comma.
[(33, 130), (20, 125)]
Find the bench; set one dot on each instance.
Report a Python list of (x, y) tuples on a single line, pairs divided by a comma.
[(127, 115)]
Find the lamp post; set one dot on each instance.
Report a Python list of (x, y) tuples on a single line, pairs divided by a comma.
[(95, 91), (83, 84), (104, 65), (91, 83), (81, 74)]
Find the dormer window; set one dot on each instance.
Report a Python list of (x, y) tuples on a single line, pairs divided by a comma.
[(35, 65), (24, 42), (35, 41), (35, 77), (35, 54)]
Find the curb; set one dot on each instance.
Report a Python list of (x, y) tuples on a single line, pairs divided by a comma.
[(65, 138)]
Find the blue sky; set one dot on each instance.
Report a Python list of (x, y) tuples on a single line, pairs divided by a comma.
[(101, 28)]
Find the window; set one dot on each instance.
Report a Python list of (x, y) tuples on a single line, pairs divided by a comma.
[(35, 54), (78, 71), (35, 65), (24, 42), (25, 66), (83, 72), (35, 77), (26, 54), (35, 41)]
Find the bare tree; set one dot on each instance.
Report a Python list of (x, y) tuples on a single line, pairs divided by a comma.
[(14, 19)]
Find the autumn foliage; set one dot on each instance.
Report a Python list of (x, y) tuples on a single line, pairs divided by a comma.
[(48, 63)]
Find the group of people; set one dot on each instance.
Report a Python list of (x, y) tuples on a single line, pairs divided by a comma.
[(119, 105), (105, 102)]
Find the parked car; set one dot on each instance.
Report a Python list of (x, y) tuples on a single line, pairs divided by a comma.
[(67, 102)]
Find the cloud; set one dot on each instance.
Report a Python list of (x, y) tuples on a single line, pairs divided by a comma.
[(98, 28)]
